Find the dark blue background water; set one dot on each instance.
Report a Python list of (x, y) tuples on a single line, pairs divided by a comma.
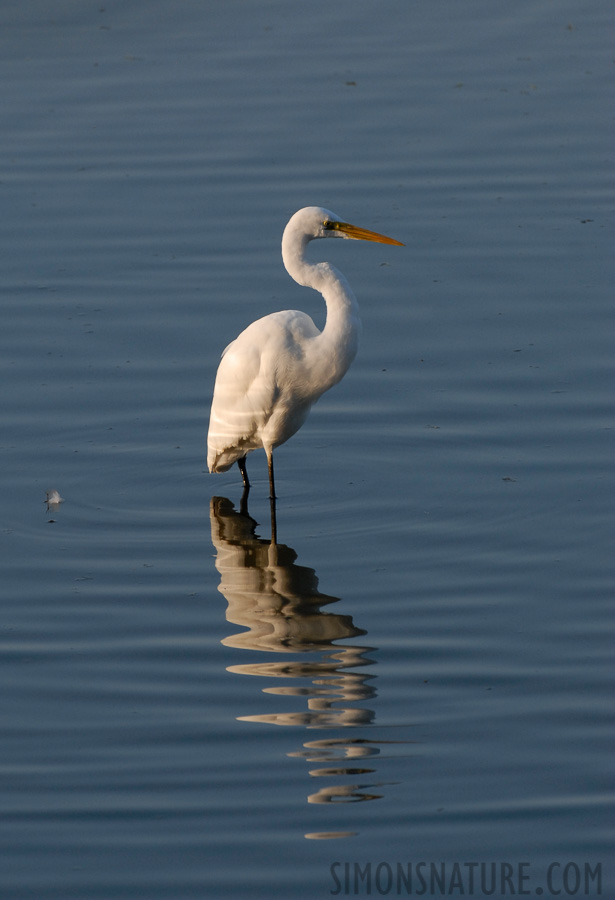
[(423, 668)]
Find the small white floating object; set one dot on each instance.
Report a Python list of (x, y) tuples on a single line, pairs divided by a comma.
[(53, 499)]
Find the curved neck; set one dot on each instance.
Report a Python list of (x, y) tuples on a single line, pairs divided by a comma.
[(336, 346)]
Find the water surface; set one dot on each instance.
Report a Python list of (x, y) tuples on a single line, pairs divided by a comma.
[(421, 670)]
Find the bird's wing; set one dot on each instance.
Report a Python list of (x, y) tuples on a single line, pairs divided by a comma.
[(247, 384)]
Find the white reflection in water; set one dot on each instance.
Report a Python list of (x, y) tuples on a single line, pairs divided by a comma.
[(279, 604)]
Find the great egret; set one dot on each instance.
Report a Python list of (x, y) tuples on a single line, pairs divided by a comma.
[(270, 376)]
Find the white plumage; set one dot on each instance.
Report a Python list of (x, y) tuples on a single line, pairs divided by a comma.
[(270, 376)]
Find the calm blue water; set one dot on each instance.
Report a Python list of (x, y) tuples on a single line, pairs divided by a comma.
[(421, 670)]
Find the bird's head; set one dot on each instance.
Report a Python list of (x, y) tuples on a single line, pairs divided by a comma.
[(315, 222)]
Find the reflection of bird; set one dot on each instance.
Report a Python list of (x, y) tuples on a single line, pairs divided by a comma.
[(270, 376), (279, 604), (269, 593)]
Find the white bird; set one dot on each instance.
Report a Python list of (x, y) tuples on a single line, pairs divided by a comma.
[(270, 376)]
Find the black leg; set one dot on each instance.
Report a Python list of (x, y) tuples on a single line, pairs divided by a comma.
[(244, 472), (274, 524), (271, 479)]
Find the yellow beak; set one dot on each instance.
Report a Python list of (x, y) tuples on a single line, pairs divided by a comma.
[(362, 234)]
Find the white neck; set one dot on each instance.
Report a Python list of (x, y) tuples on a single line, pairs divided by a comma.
[(336, 346)]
